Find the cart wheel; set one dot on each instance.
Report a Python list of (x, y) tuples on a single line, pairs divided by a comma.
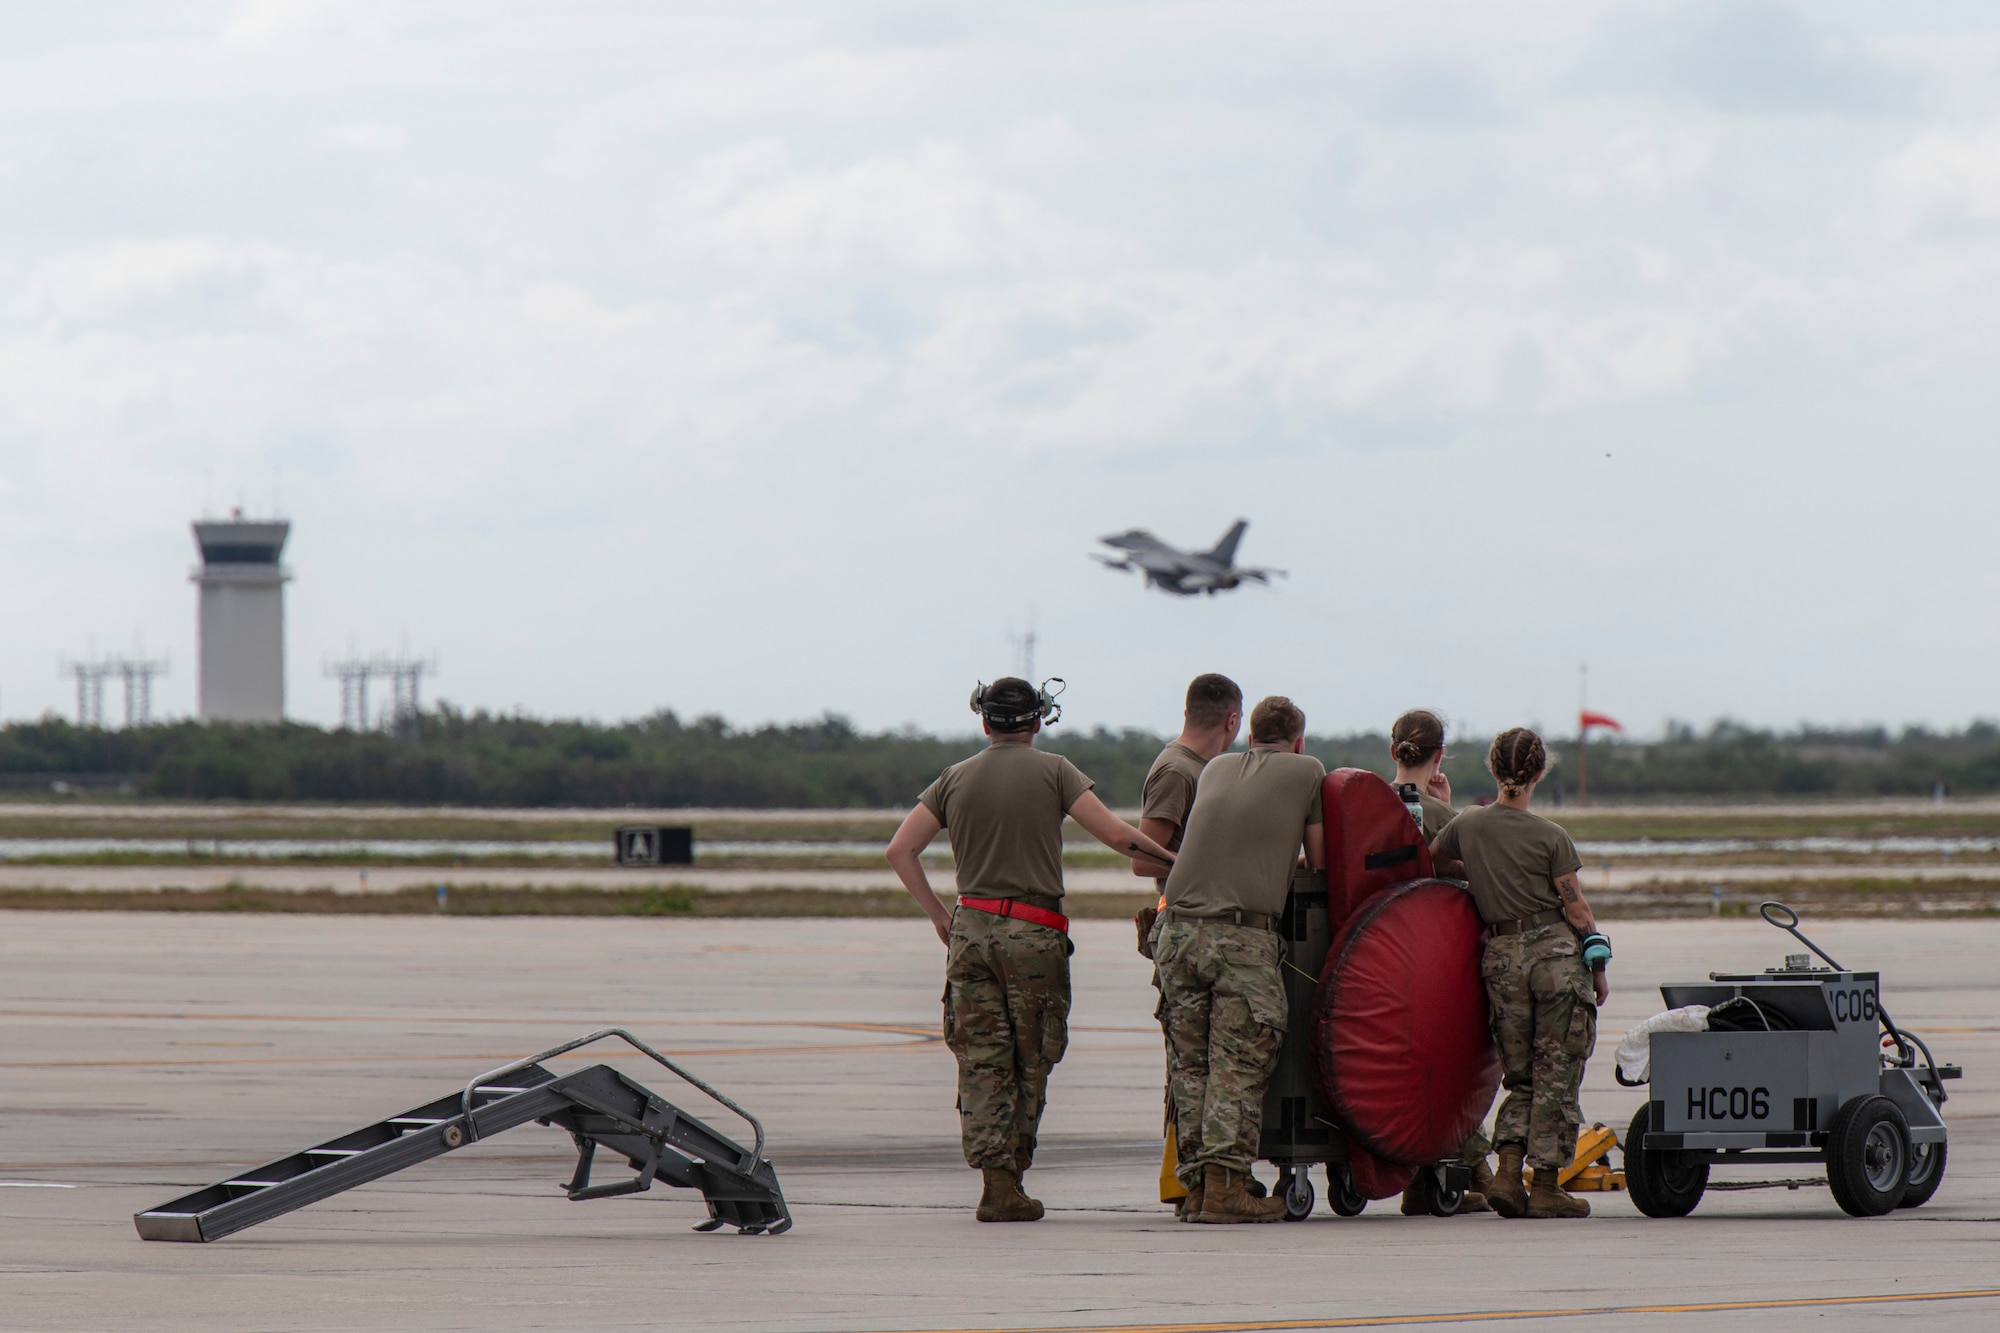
[(1926, 1174), (1868, 1156), (1297, 1189), (1341, 1196), (1661, 1183), (1439, 1201)]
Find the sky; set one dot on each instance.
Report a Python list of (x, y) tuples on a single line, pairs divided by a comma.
[(769, 359)]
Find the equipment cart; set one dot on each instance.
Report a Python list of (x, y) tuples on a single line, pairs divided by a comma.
[(1829, 1078), (1300, 1128)]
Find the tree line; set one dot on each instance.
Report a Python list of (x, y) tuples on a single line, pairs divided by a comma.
[(481, 758)]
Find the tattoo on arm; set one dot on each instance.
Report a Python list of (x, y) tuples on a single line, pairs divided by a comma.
[(1566, 887)]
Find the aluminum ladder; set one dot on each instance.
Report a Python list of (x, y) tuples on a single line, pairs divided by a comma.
[(598, 1105)]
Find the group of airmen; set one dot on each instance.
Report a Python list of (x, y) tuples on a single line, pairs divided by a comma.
[(1222, 831)]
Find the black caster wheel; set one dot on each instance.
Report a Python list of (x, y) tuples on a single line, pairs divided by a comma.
[(1297, 1189), (1661, 1183), (1341, 1196), (1868, 1156), (1926, 1174), (1439, 1201)]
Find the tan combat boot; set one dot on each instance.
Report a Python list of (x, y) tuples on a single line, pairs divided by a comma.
[(1003, 1201), (1188, 1207), (1506, 1193), (1549, 1199), (1225, 1197)]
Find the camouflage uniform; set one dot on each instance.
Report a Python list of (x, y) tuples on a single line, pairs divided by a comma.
[(1545, 1024), (1222, 1006), (1006, 1018)]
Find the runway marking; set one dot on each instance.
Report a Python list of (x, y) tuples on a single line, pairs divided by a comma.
[(811, 1048), (1489, 1316), (908, 1029), (33, 1185)]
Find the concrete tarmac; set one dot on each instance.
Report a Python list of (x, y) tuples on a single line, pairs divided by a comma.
[(1079, 880), (147, 1054)]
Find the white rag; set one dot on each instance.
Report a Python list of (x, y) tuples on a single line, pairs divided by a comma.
[(1635, 1053)]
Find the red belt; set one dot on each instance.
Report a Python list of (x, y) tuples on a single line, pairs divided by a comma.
[(1009, 907)]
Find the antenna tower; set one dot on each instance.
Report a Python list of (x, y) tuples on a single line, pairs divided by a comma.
[(89, 690), (404, 675), (1024, 649), (135, 674)]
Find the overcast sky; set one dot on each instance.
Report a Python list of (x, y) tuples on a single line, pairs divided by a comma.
[(767, 358)]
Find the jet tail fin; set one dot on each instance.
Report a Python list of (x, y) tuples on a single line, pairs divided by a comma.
[(1225, 550)]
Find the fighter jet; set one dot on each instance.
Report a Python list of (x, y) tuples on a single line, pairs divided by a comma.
[(1183, 573)]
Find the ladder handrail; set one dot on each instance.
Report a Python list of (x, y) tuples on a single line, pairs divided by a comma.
[(472, 1129)]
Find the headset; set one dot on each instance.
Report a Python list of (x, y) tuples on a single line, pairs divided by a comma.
[(1013, 717)]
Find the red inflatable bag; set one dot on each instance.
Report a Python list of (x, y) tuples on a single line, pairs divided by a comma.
[(1372, 844), (1400, 1033)]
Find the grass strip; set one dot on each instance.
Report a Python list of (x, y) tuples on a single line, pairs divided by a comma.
[(674, 900), (1860, 896)]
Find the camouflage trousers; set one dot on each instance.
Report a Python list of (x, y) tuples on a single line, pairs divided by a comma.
[(1222, 1007), (1545, 1024), (1006, 1018)]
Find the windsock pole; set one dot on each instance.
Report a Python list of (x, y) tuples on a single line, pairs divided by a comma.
[(1582, 735)]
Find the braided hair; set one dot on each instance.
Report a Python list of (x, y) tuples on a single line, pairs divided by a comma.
[(1517, 758), (1417, 735)]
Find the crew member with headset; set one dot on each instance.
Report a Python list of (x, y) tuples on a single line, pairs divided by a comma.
[(1007, 994), (1217, 953), (1209, 725), (1544, 968), (1416, 743)]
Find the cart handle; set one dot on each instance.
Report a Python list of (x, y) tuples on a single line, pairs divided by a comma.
[(1785, 919)]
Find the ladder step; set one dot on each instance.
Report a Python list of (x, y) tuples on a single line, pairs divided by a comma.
[(592, 1104)]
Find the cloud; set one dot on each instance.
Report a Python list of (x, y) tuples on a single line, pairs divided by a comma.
[(1435, 95), (1747, 57), (1943, 175), (736, 313), (261, 24), (1041, 141), (935, 209), (760, 86)]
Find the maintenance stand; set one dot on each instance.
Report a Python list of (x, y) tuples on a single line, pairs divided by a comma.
[(597, 1105)]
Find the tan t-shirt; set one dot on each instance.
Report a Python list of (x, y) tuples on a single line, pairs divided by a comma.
[(1250, 815), (1004, 810), (1436, 814), (1169, 792), (1512, 859)]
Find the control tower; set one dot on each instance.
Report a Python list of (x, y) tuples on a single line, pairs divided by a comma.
[(242, 618)]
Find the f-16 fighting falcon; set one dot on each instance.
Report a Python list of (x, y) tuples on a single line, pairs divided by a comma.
[(1184, 573)]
